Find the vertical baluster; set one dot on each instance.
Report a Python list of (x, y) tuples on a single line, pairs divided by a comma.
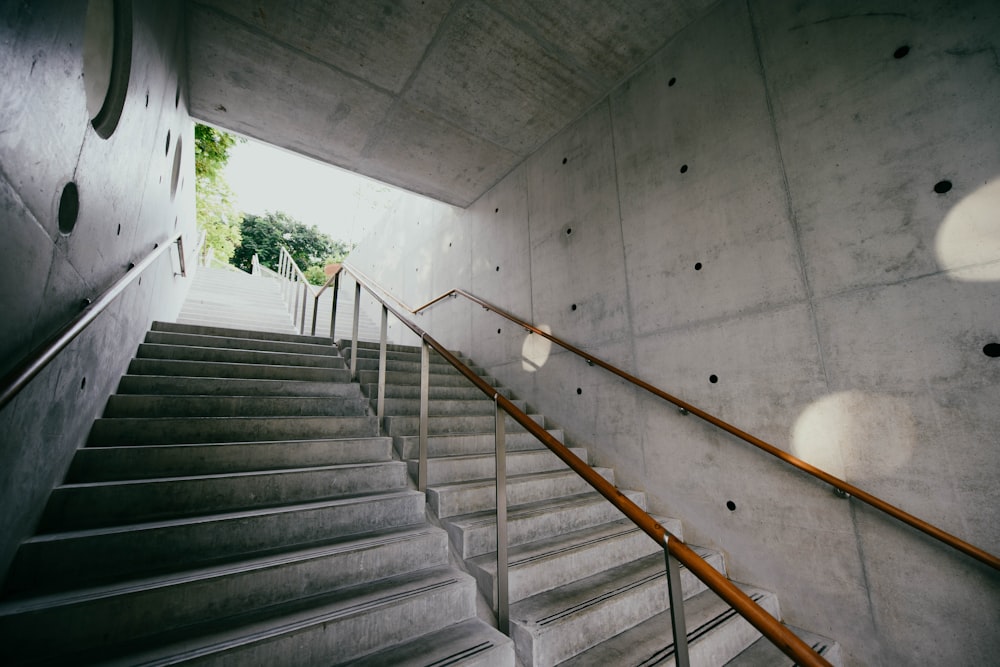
[(354, 336), (305, 293), (380, 409), (425, 382), (295, 288), (503, 605), (677, 623), (333, 306), (312, 331)]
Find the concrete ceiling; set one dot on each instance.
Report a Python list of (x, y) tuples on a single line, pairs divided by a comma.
[(441, 97)]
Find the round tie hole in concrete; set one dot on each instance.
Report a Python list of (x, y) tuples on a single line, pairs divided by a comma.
[(564, 160), (713, 378), (569, 230), (942, 187), (166, 147), (730, 505), (672, 81), (498, 268), (684, 168), (83, 383), (992, 350), (177, 96), (119, 232), (69, 208), (579, 390), (175, 173), (498, 331), (697, 266), (496, 210), (573, 307), (901, 52)]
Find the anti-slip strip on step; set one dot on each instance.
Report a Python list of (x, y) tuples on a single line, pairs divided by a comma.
[(529, 512), (459, 656), (569, 611), (572, 547)]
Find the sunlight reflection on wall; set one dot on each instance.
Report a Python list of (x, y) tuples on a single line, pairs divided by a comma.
[(856, 429), (535, 350), (970, 235)]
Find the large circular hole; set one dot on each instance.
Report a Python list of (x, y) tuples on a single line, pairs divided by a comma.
[(69, 208), (992, 350), (107, 62), (713, 378), (942, 187), (176, 172)]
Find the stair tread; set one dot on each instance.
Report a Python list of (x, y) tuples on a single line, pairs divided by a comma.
[(764, 653), (459, 644)]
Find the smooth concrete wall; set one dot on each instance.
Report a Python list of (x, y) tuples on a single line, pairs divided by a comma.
[(126, 205), (750, 222)]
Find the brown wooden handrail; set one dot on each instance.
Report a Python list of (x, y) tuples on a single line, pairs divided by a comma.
[(770, 627), (874, 501), (40, 357)]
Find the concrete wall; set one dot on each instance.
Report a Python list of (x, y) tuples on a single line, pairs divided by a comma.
[(127, 203), (751, 222)]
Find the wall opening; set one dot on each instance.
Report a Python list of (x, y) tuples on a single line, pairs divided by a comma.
[(107, 61)]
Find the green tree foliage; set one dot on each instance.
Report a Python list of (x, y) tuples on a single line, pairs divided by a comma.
[(310, 248), (216, 213)]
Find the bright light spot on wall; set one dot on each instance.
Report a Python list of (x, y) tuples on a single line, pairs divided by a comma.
[(970, 235), (870, 431), (535, 349)]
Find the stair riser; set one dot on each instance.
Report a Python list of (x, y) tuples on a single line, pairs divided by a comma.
[(411, 367), (105, 620), (244, 333), (480, 537), (413, 379), (81, 558), (101, 464), (195, 340), (435, 393), (238, 371), (551, 643), (132, 405), (448, 501), (178, 352), (394, 355), (408, 446), (409, 407), (458, 424), (95, 506), (450, 470), (468, 644), (345, 343), (165, 431), (192, 386)]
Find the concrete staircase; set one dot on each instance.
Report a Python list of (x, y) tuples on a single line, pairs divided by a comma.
[(586, 586), (235, 505)]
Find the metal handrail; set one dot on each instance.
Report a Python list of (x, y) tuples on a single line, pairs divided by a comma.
[(844, 488), (288, 270), (32, 364), (674, 547)]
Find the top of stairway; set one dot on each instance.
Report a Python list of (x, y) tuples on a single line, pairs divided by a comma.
[(234, 299)]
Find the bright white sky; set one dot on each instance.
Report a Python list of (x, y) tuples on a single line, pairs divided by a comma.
[(340, 203)]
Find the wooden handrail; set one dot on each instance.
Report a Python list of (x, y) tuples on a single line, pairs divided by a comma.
[(929, 529), (18, 377), (770, 627)]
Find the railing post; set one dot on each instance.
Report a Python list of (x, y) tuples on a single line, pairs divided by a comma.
[(333, 306), (677, 624), (302, 318), (180, 256), (354, 336), (503, 605), (295, 288), (380, 409), (425, 390), (315, 308)]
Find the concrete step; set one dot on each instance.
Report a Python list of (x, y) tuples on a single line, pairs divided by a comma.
[(715, 634), (476, 533), (397, 355), (412, 367), (234, 343), (470, 643), (190, 430), (203, 386), (100, 504), (447, 393), (347, 623), (106, 464), (763, 652), (374, 345), (237, 316), (413, 379), (237, 370), (448, 500), (87, 557), (451, 469), (408, 425), (179, 352), (239, 333), (408, 446), (409, 406), (556, 625), (145, 405), (546, 564), (138, 608)]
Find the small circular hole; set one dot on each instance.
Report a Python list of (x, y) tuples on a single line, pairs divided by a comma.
[(901, 52), (449, 245), (697, 266), (83, 383), (147, 99), (684, 168), (69, 208), (496, 210), (713, 378), (579, 391), (569, 230), (573, 307), (942, 187), (498, 268), (498, 331), (992, 350), (119, 232), (730, 505), (672, 81), (177, 96), (564, 160), (166, 148)]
